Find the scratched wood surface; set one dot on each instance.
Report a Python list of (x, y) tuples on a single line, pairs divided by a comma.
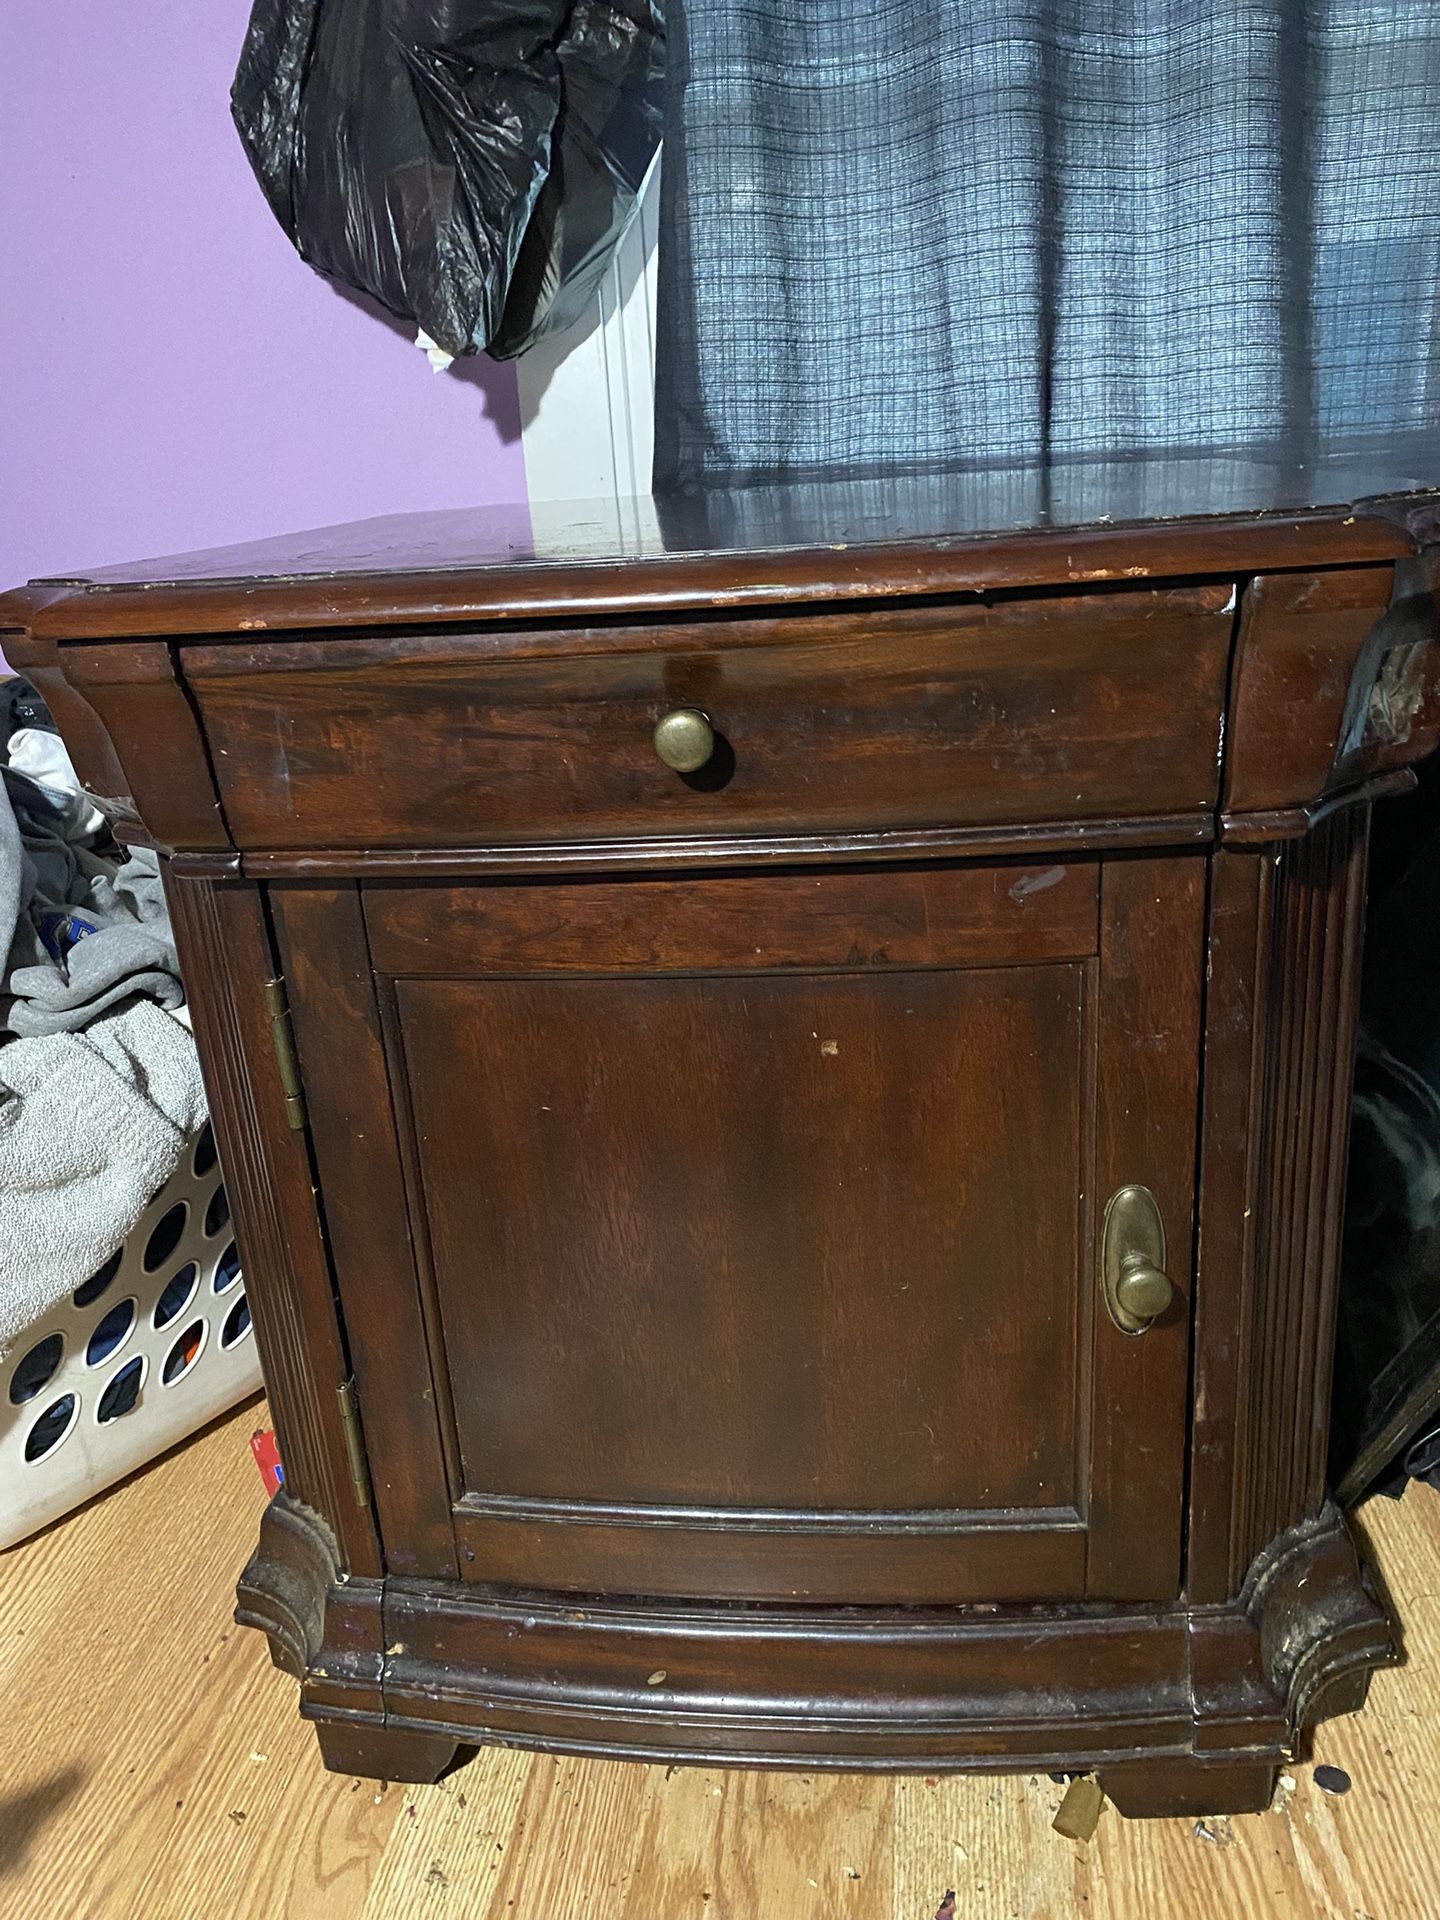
[(177, 1780)]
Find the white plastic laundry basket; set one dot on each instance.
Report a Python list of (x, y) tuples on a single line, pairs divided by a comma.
[(148, 1349)]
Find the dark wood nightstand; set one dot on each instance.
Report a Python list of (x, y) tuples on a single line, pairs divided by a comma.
[(784, 1082)]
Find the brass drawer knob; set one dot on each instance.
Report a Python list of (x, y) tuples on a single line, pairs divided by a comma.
[(685, 740), (1132, 1260)]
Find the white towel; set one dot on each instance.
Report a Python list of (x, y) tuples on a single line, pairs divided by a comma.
[(43, 755), (91, 1125)]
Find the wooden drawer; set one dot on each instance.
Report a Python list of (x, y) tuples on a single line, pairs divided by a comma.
[(1029, 710)]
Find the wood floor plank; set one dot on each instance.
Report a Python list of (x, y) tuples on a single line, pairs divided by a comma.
[(154, 1766), (448, 1845), (987, 1838), (194, 1788)]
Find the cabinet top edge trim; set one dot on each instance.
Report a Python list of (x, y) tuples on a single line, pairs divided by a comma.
[(244, 606)]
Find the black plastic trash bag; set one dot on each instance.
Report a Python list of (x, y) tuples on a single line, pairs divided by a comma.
[(471, 164)]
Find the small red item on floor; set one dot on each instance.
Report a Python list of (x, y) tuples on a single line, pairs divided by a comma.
[(267, 1459)]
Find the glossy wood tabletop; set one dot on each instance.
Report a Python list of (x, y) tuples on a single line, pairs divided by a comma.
[(970, 528)]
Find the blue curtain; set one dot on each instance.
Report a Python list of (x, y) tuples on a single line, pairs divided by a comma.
[(899, 236)]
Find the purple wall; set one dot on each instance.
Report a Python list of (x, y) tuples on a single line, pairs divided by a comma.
[(171, 373)]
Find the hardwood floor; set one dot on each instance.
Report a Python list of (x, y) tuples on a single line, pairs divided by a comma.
[(158, 1769)]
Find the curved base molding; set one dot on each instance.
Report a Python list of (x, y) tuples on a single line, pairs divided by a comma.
[(284, 1587), (324, 1628), (1181, 1709), (1322, 1630)]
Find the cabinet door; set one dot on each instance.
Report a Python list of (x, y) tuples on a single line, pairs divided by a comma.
[(755, 1224)]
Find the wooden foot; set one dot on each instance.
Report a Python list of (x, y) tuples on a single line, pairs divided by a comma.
[(1188, 1789), (385, 1753)]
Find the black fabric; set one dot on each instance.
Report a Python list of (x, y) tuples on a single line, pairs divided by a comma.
[(21, 706), (471, 164), (898, 236), (1387, 1354)]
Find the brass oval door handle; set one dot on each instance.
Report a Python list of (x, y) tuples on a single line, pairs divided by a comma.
[(685, 740), (1143, 1291), (1132, 1260)]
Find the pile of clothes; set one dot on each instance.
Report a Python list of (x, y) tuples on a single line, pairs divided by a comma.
[(99, 1082)]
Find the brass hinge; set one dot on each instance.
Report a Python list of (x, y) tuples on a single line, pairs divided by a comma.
[(285, 1060), (354, 1442)]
